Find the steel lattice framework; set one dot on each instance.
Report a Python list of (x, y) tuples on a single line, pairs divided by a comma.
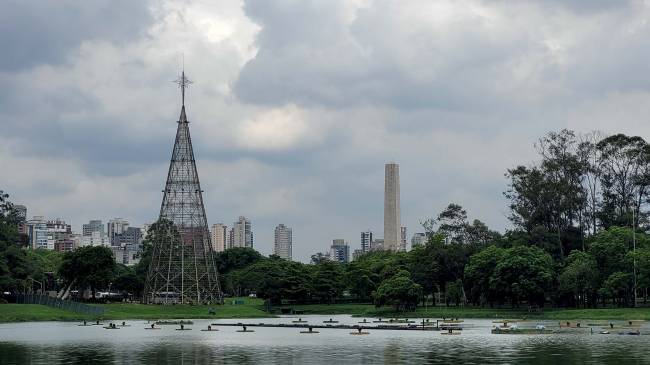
[(183, 269)]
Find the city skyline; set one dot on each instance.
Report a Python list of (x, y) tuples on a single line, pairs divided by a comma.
[(243, 236)]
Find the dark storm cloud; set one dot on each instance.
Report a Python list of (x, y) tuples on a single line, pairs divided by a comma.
[(71, 122), (34, 32)]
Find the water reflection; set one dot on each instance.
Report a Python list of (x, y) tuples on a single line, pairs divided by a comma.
[(67, 354), (60, 343)]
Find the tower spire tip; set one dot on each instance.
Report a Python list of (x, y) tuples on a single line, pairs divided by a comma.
[(183, 82)]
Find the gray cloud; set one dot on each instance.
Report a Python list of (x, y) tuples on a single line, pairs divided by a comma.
[(404, 60), (297, 105), (43, 32)]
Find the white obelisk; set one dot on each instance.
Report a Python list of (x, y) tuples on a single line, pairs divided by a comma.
[(392, 224)]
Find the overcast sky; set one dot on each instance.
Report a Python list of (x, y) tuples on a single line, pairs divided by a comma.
[(297, 105)]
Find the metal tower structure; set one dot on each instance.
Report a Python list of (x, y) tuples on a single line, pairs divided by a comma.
[(182, 268)]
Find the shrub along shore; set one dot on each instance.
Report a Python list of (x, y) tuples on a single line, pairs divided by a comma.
[(254, 309)]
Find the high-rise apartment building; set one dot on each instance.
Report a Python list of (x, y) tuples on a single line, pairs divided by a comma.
[(92, 226), (37, 232), (377, 244), (392, 224), (95, 239), (21, 214), (366, 241), (114, 228), (242, 233), (283, 242), (45, 233), (356, 254), (57, 231), (231, 238), (418, 239), (403, 239), (131, 236), (219, 237), (340, 251)]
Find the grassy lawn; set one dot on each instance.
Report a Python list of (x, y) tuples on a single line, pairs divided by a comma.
[(35, 312), (353, 309), (368, 310), (253, 308)]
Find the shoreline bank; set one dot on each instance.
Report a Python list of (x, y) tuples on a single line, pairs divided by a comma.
[(38, 313)]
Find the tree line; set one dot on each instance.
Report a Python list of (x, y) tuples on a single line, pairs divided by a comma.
[(579, 221)]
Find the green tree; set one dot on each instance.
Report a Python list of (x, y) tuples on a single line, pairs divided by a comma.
[(478, 234), (618, 287), (452, 222), (16, 268), (609, 249), (625, 166), (399, 291), (126, 280), (274, 279), (478, 273), (580, 278), (236, 258), (524, 273), (327, 279), (89, 266), (551, 194), (360, 280), (454, 293)]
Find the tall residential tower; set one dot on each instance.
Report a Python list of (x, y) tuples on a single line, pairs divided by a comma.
[(283, 242), (242, 233), (219, 237)]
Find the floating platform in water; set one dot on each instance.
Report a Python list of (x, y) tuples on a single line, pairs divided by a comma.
[(573, 324), (167, 322), (399, 320), (630, 333), (521, 331), (356, 327), (359, 332)]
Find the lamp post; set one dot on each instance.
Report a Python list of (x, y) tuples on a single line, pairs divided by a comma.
[(634, 252)]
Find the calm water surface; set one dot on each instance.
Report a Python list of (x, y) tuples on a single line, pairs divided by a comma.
[(67, 343)]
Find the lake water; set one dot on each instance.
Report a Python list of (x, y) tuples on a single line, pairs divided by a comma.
[(67, 343)]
